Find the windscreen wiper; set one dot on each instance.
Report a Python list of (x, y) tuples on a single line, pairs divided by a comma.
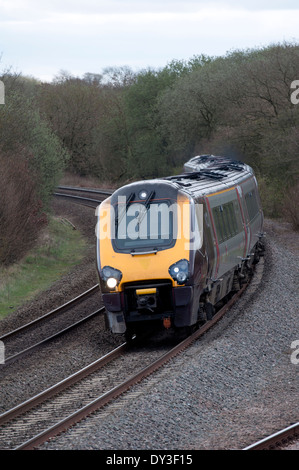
[(150, 252)]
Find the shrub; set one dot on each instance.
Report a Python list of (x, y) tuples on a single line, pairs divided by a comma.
[(20, 210), (291, 206), (31, 163)]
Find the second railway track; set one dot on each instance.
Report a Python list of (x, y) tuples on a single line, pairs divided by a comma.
[(25, 338), (84, 196), (14, 339)]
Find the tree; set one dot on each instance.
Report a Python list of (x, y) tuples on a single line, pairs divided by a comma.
[(148, 150), (31, 163), (72, 107)]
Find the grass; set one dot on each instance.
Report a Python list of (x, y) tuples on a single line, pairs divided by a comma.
[(59, 248)]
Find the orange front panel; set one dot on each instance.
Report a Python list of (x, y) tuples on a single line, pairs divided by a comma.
[(147, 266)]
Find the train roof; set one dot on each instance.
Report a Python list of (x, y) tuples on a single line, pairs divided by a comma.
[(203, 175), (209, 173)]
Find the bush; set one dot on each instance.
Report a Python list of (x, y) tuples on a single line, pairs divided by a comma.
[(20, 210), (31, 163), (49, 159), (291, 206)]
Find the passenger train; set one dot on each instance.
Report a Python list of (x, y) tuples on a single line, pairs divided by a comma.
[(169, 250)]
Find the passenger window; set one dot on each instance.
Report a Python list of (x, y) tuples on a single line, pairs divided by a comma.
[(226, 222)]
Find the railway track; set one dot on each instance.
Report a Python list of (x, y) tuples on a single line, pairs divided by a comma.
[(14, 335), (12, 339), (96, 196), (45, 411), (69, 401), (278, 440), (103, 192), (72, 396)]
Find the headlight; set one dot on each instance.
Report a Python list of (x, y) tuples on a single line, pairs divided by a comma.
[(112, 276), (180, 271), (111, 282)]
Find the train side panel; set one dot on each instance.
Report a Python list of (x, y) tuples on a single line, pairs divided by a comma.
[(230, 235)]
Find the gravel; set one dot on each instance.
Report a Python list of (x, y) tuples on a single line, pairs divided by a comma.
[(235, 385)]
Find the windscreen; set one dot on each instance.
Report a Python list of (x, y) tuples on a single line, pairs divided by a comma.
[(140, 226)]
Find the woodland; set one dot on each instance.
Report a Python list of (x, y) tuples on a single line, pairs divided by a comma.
[(121, 125)]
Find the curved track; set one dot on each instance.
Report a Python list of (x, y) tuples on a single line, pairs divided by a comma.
[(99, 401), (67, 192), (90, 202), (19, 334), (277, 440), (25, 422)]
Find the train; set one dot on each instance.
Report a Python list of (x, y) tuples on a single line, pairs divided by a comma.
[(171, 250)]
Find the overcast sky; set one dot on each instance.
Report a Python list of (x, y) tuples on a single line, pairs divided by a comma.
[(42, 37)]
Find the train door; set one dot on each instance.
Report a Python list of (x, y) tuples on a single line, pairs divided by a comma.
[(211, 242), (229, 229), (245, 219)]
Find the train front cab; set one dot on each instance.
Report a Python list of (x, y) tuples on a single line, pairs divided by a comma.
[(149, 279)]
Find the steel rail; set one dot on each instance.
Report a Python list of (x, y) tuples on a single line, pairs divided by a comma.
[(62, 385), (90, 202), (275, 439), (107, 192), (80, 200), (54, 336), (57, 310)]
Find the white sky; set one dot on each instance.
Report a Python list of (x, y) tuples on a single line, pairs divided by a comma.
[(42, 37)]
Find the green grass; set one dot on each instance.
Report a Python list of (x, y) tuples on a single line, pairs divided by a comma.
[(59, 249)]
